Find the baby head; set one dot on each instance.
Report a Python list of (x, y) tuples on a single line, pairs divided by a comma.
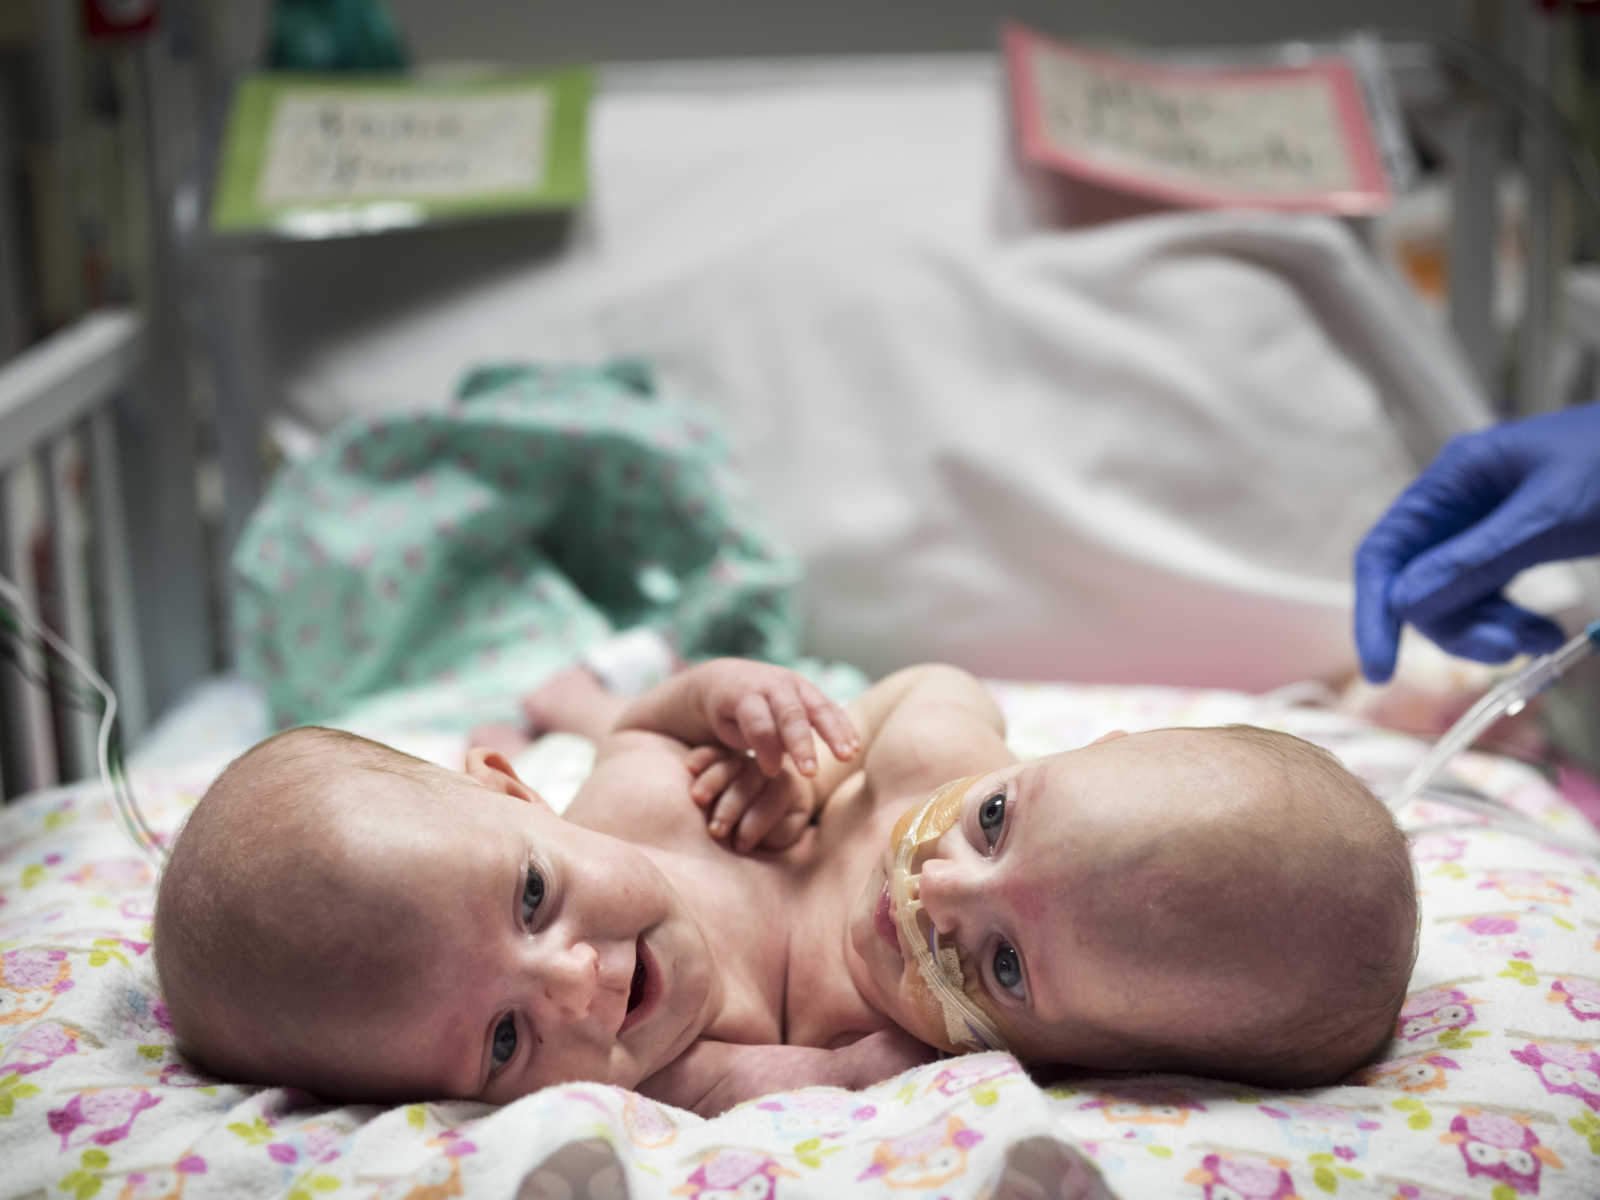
[(1226, 901), (345, 918)]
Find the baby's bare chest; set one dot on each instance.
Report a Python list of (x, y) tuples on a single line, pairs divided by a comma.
[(776, 923)]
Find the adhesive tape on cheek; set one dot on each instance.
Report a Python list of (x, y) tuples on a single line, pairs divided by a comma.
[(930, 822), (938, 966)]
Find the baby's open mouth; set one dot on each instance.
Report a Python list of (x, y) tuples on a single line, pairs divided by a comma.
[(645, 989), (636, 991)]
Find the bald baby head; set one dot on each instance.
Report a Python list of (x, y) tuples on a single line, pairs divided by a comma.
[(1280, 908), (268, 914)]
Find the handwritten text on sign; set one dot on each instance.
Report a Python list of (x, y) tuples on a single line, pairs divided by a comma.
[(1272, 134), (333, 146)]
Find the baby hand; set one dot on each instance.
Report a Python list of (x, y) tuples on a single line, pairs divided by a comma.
[(738, 797), (769, 710)]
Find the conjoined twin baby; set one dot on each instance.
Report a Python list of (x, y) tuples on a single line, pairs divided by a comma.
[(756, 890)]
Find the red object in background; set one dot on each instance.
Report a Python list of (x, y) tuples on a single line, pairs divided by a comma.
[(119, 18)]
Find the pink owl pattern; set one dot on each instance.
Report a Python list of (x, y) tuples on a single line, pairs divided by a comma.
[(815, 1113), (1497, 935), (958, 1076), (30, 981), (1501, 1147), (925, 1158), (99, 1116), (297, 1146), (1414, 1073), (1580, 995), (1235, 1175), (648, 1126), (736, 1174), (41, 1045), (162, 1183), (1144, 1105), (1535, 886), (1563, 1068), (1434, 1011), (1311, 1125)]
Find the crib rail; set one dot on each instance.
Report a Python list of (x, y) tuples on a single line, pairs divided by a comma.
[(63, 542)]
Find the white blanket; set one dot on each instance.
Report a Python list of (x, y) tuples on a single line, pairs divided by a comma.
[(1152, 447)]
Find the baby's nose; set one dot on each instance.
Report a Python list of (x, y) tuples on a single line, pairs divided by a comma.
[(570, 980), (948, 892)]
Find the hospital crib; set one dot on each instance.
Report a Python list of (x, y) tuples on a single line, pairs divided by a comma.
[(71, 405)]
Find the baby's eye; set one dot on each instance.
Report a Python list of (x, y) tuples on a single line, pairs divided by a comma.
[(532, 895), (1008, 968), (505, 1043), (992, 817)]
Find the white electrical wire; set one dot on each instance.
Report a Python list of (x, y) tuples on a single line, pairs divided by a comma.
[(123, 801)]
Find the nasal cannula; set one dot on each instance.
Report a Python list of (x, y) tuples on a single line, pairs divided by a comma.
[(1506, 699), (965, 1024)]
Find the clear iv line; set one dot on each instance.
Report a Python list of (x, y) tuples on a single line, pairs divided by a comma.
[(106, 751), (1506, 698)]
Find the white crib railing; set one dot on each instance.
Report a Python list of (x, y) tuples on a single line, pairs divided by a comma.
[(63, 542)]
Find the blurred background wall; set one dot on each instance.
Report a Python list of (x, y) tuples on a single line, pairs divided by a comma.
[(551, 30)]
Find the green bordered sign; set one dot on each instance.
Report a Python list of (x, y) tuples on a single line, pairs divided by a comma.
[(333, 155)]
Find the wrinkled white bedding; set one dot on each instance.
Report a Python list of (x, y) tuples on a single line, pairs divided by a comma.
[(1152, 447)]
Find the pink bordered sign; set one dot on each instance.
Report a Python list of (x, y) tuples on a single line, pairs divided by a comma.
[(1292, 137)]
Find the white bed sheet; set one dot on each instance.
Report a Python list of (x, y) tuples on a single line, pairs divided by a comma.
[(217, 718)]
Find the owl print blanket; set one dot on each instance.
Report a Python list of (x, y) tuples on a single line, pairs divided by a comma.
[(1490, 1089)]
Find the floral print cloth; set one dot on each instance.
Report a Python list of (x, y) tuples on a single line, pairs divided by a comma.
[(484, 546), (1490, 1090)]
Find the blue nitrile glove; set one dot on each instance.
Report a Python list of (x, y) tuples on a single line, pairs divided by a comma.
[(1491, 504)]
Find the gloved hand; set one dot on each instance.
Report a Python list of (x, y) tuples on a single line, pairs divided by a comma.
[(1491, 504)]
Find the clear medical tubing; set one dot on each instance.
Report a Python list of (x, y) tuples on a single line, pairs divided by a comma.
[(1506, 698), (17, 622), (965, 1024)]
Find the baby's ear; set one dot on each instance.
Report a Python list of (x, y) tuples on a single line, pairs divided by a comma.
[(1110, 737), (493, 770)]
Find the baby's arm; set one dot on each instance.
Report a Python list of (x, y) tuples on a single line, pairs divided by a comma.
[(711, 1077), (746, 706), (927, 722)]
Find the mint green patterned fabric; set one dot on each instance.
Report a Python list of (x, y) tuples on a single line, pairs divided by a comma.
[(484, 546)]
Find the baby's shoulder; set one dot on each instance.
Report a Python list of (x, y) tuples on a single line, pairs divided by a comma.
[(913, 756), (638, 789)]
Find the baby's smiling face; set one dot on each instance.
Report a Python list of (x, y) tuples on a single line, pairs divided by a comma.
[(1155, 890), (542, 952), (452, 936)]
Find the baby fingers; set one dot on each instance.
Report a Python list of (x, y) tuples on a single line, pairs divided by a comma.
[(759, 717), (793, 708), (701, 757), (775, 817), (733, 801), (713, 774), (831, 721)]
